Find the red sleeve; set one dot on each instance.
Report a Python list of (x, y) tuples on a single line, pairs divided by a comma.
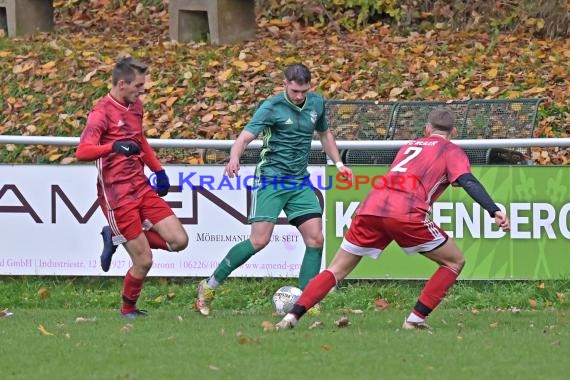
[(457, 163), (149, 158), (89, 148)]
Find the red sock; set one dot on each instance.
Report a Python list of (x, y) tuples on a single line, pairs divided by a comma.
[(434, 290), (156, 241), (131, 291), (317, 289)]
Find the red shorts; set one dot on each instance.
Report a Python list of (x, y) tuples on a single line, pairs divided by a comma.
[(129, 220), (369, 235)]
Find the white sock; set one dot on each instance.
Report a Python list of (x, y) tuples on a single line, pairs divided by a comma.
[(413, 318), (213, 283)]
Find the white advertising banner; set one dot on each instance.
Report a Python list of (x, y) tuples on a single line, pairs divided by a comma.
[(50, 223)]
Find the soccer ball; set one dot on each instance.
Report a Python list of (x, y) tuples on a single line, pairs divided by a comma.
[(284, 299)]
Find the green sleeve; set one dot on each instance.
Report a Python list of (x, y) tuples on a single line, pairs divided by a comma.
[(262, 119)]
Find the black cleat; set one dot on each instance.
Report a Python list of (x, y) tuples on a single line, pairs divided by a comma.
[(134, 314), (108, 248)]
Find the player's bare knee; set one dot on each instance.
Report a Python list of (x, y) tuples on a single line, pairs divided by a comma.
[(456, 264), (179, 243), (142, 266), (461, 264), (259, 242), (315, 241)]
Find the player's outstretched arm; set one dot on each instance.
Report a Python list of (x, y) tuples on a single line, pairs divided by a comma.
[(329, 146), (476, 191), (243, 140)]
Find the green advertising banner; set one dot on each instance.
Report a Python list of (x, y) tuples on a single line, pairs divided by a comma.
[(536, 199)]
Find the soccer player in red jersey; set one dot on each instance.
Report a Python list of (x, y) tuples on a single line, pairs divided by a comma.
[(421, 171), (138, 218)]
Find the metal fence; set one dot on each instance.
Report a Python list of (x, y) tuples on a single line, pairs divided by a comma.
[(369, 132), (474, 119)]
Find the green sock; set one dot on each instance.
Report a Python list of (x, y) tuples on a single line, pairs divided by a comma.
[(238, 255), (311, 265)]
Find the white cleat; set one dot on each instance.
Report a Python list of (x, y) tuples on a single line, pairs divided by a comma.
[(205, 297), (415, 326), (284, 325), (287, 323)]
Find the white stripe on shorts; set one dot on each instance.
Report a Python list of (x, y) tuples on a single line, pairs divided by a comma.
[(360, 251), (426, 247)]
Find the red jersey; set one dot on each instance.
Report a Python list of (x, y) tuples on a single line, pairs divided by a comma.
[(421, 171), (121, 179)]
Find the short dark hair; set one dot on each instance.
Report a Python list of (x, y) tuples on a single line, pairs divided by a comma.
[(442, 119), (297, 72), (126, 69)]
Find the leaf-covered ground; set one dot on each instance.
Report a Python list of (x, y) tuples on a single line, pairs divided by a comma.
[(50, 81)]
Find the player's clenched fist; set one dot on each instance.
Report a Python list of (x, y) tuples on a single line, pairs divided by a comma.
[(126, 148), (502, 221), (162, 183)]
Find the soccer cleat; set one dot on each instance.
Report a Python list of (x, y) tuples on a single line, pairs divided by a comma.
[(134, 314), (415, 326), (108, 248), (315, 310), (284, 324), (288, 322), (205, 297)]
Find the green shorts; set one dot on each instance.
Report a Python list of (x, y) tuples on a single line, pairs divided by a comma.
[(267, 203)]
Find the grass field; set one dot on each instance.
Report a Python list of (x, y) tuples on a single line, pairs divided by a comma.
[(516, 330)]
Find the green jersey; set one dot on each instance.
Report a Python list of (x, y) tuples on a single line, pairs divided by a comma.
[(287, 134)]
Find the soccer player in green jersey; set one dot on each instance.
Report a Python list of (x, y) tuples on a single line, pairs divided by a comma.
[(287, 121)]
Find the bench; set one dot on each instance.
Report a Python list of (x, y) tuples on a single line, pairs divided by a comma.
[(218, 21), (21, 17), (370, 120)]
